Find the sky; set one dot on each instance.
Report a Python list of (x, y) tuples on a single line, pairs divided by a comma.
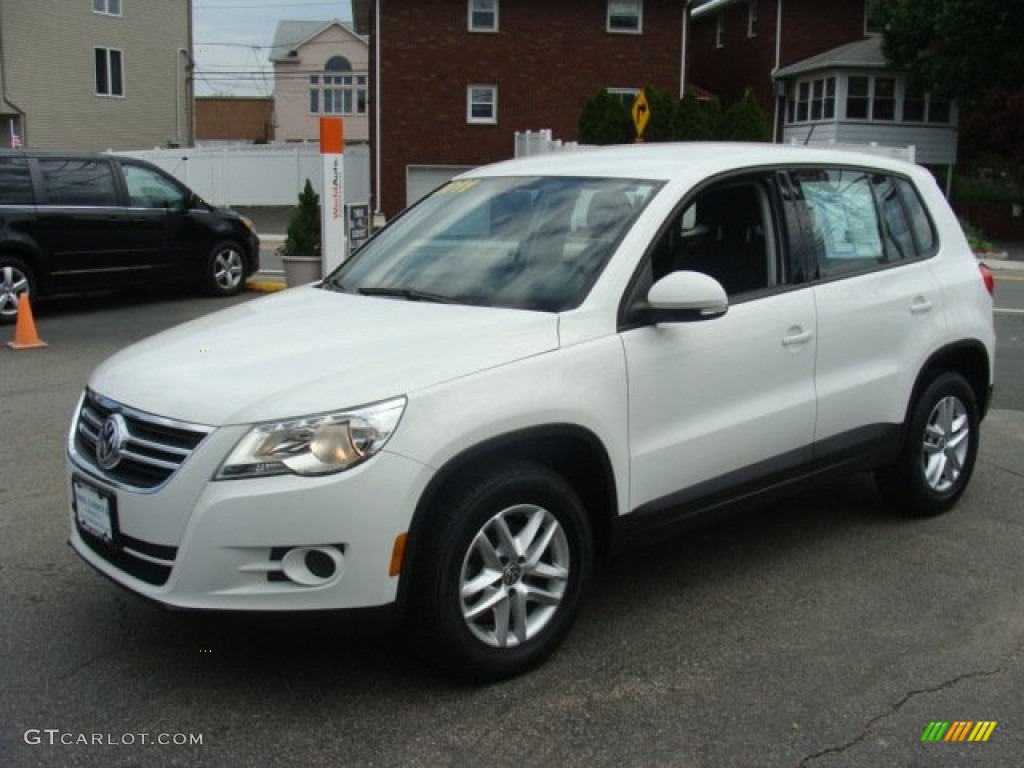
[(232, 40)]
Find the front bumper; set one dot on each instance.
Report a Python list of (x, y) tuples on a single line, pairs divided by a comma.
[(246, 544)]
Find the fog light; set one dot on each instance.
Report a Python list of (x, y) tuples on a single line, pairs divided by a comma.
[(312, 566)]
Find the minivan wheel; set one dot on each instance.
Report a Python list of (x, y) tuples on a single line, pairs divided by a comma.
[(15, 279), (502, 566), (225, 269), (939, 452)]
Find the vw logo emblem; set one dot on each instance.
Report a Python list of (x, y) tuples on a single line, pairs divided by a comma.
[(110, 441)]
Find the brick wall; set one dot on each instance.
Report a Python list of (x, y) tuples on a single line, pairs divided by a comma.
[(809, 27), (546, 59), (234, 119)]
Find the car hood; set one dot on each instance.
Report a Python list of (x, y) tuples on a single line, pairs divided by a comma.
[(307, 350)]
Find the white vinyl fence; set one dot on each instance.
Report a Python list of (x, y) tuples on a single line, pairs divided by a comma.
[(258, 174)]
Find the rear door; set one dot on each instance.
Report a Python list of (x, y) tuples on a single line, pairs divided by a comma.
[(880, 308), (80, 223)]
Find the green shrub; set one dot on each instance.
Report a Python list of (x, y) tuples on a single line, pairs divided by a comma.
[(303, 236)]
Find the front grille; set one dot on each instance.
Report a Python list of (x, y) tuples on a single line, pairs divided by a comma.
[(151, 451)]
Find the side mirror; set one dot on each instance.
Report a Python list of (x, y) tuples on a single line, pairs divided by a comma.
[(682, 297)]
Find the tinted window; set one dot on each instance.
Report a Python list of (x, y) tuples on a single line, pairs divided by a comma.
[(87, 182), (149, 189), (899, 243), (920, 224), (15, 182), (845, 228)]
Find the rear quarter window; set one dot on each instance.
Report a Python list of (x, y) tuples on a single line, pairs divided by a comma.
[(15, 182)]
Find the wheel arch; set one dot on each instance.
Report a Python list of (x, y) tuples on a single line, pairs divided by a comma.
[(33, 259), (574, 452), (970, 359)]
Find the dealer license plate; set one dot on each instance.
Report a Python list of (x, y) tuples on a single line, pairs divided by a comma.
[(95, 509)]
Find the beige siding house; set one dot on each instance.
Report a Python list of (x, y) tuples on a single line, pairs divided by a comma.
[(95, 74), (320, 70)]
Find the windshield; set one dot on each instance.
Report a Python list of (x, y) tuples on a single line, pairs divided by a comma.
[(523, 243)]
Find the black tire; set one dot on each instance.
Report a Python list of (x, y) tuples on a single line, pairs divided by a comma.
[(939, 451), (225, 269), (462, 565), (16, 278)]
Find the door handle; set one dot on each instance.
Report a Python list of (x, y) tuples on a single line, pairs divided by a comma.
[(796, 336), (921, 306)]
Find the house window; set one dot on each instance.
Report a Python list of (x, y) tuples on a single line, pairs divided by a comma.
[(107, 7), (752, 19), (857, 101), (109, 72), (883, 105), (483, 15), (873, 17), (338, 91), (813, 100), (626, 95), (720, 31), (625, 16), (920, 107), (482, 104)]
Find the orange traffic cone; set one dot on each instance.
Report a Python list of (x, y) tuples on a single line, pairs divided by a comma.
[(25, 336)]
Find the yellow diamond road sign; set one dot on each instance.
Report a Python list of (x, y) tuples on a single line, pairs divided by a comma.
[(641, 113)]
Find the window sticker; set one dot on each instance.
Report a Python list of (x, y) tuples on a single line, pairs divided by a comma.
[(845, 217)]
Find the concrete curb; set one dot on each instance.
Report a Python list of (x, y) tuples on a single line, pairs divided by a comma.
[(265, 285)]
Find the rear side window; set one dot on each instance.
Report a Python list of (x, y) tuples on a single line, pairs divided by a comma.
[(79, 182), (15, 182), (845, 228)]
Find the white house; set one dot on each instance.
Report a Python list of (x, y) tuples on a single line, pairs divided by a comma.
[(320, 70)]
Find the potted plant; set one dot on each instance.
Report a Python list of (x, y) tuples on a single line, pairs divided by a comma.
[(301, 250)]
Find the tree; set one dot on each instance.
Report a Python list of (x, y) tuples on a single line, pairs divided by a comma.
[(744, 121), (604, 120), (968, 50), (663, 106), (957, 49), (303, 236), (691, 120)]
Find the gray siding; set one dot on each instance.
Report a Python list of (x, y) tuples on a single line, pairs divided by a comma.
[(48, 52)]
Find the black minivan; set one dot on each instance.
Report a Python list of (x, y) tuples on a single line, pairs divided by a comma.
[(74, 222)]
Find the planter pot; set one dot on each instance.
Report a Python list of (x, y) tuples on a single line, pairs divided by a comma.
[(300, 270)]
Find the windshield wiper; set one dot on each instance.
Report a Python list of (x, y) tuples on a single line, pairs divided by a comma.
[(409, 294)]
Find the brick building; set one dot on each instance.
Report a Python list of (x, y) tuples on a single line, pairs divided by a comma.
[(452, 81), (234, 118)]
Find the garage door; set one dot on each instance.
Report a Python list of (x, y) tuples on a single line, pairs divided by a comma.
[(420, 180)]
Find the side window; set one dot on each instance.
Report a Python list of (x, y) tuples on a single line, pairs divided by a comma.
[(845, 228), (148, 189), (83, 182), (899, 243), (15, 182), (920, 224), (725, 232)]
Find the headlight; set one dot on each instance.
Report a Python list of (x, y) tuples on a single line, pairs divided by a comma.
[(248, 222), (314, 445)]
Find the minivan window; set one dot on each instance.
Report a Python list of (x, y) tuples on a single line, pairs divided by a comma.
[(78, 182), (148, 189), (15, 182)]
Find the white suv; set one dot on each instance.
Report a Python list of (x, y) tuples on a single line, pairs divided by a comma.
[(542, 362)]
